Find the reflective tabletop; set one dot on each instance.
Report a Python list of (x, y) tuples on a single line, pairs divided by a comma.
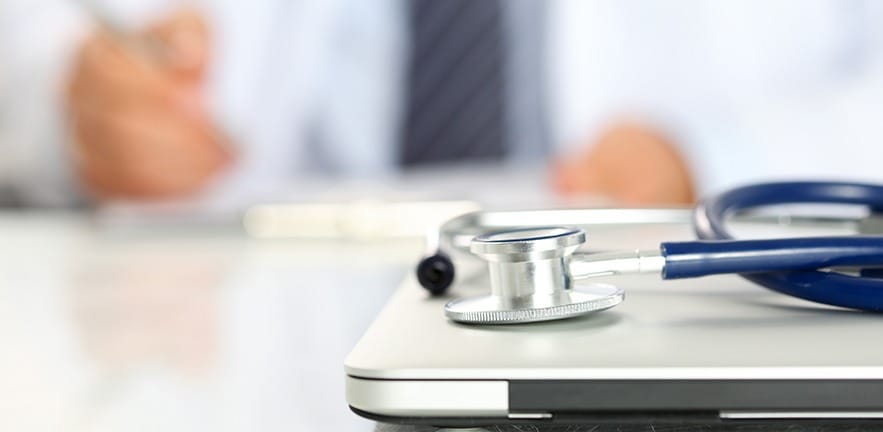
[(180, 330)]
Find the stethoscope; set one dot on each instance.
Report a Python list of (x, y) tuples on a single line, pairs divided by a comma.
[(533, 265)]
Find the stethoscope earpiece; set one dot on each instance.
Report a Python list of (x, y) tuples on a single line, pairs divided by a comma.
[(436, 273)]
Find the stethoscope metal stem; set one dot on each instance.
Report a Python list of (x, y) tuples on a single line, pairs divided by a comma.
[(589, 265)]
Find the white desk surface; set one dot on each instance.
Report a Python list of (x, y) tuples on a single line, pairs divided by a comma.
[(170, 330)]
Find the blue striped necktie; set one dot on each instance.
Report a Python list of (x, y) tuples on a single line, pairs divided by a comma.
[(455, 106)]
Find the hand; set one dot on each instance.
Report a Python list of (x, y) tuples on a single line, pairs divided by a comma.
[(140, 128), (632, 164)]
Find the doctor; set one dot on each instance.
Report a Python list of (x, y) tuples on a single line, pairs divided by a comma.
[(642, 101)]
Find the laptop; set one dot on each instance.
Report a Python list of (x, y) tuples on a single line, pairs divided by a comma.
[(711, 350)]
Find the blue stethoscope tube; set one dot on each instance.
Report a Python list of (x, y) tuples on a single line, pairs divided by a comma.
[(788, 266)]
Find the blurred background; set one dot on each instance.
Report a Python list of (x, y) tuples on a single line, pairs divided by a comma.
[(639, 102), (180, 178)]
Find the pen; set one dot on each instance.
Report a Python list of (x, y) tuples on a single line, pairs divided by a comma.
[(144, 45)]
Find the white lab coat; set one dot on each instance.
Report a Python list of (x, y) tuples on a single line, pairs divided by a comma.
[(751, 90)]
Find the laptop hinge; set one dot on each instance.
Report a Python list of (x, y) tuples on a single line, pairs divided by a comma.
[(529, 416), (772, 415)]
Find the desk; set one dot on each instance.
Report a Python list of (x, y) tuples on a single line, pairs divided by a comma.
[(182, 330), (171, 330)]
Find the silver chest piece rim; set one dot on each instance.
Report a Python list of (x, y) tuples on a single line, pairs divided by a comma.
[(530, 279)]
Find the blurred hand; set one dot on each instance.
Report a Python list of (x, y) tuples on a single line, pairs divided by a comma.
[(631, 164), (141, 130)]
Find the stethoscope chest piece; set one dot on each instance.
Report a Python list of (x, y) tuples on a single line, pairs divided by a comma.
[(530, 279)]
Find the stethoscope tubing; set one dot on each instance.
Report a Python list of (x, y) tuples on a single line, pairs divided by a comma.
[(750, 258), (711, 257)]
